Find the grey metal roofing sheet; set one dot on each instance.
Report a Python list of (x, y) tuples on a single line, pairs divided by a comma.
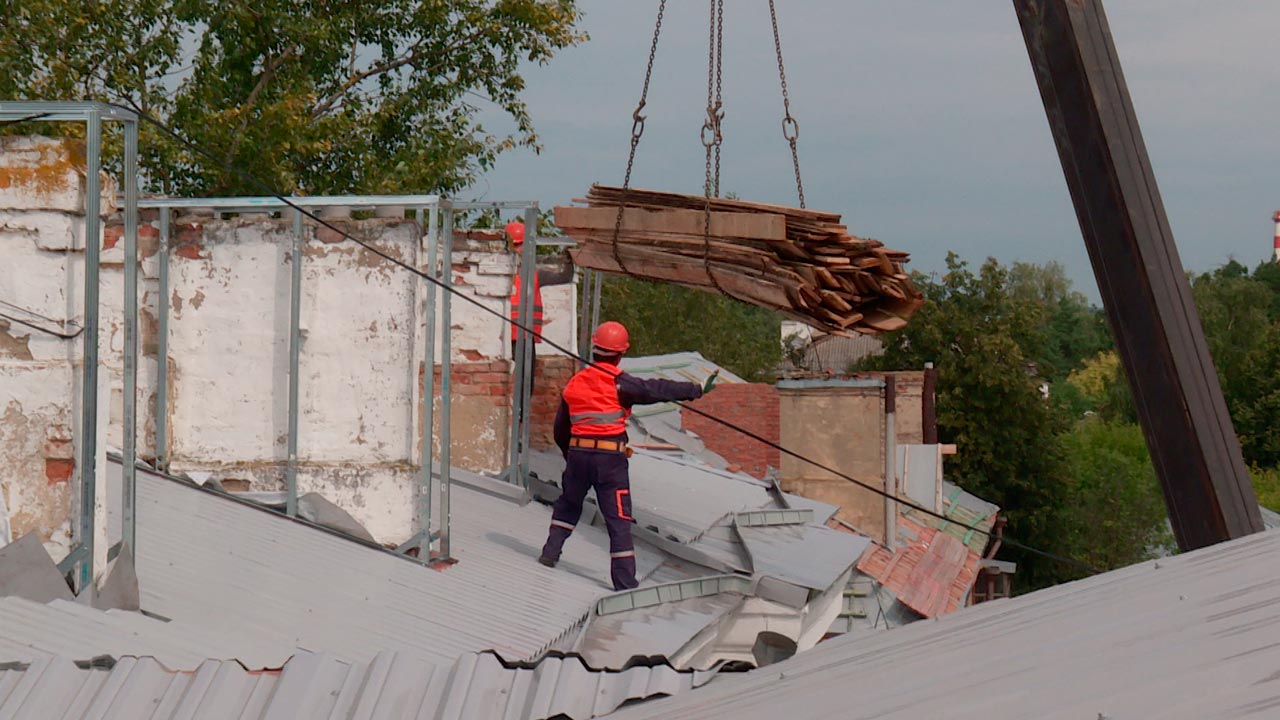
[(250, 574), (683, 498), (806, 555), (1190, 636), (389, 687), (30, 631), (659, 630)]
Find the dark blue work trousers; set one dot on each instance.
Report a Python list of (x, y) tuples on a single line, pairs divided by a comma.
[(607, 473)]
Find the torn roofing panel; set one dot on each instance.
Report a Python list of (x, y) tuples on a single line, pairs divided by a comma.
[(931, 574), (806, 555), (657, 630), (389, 687), (969, 518), (1189, 636), (251, 574)]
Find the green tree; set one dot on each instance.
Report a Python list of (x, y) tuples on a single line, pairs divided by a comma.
[(1118, 514), (1102, 385), (309, 97), (1074, 330), (1234, 312), (666, 318), (981, 336)]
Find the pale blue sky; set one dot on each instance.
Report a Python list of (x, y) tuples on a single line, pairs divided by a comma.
[(920, 120)]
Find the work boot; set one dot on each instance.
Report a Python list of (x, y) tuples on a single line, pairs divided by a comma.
[(549, 562)]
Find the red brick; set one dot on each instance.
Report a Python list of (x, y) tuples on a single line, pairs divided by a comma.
[(190, 251), (57, 470), (111, 236)]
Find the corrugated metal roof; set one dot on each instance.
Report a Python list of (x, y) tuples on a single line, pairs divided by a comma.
[(1192, 636), (389, 687), (252, 574), (32, 631)]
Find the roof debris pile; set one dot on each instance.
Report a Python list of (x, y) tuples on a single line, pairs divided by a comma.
[(802, 263)]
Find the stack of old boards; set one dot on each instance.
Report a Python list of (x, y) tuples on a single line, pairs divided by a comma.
[(801, 263)]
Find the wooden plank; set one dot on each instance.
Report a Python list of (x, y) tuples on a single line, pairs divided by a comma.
[(757, 226)]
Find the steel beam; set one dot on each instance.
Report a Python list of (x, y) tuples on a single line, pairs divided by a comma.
[(1141, 279)]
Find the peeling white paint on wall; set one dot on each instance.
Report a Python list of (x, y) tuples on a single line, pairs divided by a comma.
[(41, 282), (363, 338)]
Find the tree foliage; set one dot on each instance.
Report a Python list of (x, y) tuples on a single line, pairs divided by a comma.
[(987, 335), (1117, 513), (310, 97), (666, 318)]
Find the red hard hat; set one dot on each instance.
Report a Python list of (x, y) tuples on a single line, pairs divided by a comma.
[(611, 337), (515, 229)]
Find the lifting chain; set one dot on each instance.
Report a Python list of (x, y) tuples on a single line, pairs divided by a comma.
[(637, 130), (711, 134), (790, 128)]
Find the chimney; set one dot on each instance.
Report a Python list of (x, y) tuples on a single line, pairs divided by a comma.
[(1276, 250)]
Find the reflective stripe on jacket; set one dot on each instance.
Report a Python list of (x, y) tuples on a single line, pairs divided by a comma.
[(594, 408), (537, 308)]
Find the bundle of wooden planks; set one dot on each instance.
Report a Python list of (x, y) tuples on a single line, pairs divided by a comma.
[(801, 263)]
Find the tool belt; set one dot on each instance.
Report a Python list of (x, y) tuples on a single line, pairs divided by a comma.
[(605, 445)]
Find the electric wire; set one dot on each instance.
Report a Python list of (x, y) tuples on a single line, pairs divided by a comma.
[(28, 118), (38, 328), (266, 189)]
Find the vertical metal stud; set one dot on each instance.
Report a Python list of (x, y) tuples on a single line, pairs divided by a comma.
[(129, 431), (890, 462), (428, 394), (295, 338), (528, 360), (89, 397), (595, 301), (584, 313), (162, 347), (446, 352)]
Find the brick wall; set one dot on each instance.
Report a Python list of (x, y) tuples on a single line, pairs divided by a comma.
[(753, 406), (553, 373), (486, 387)]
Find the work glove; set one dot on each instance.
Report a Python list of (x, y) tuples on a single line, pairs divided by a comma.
[(710, 383)]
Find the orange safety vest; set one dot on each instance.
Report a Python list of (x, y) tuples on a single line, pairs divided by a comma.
[(537, 307), (594, 408)]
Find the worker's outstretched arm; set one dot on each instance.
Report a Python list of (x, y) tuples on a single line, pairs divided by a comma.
[(636, 391)]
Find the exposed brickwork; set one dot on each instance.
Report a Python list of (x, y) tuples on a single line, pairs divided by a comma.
[(753, 406), (493, 380), (57, 470), (553, 374)]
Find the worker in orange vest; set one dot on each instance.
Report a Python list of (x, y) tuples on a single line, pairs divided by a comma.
[(591, 431)]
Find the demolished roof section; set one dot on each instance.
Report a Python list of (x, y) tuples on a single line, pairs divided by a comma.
[(1189, 636)]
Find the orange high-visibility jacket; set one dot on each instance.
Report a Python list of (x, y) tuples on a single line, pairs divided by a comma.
[(537, 308), (594, 408)]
